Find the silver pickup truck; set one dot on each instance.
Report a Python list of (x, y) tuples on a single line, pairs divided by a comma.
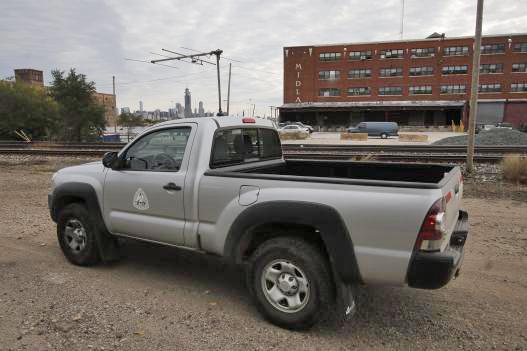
[(307, 231)]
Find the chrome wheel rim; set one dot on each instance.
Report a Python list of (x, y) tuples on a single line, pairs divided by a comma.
[(75, 235), (285, 286)]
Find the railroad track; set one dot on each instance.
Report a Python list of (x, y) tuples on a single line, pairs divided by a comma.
[(395, 153), (385, 156), (311, 148)]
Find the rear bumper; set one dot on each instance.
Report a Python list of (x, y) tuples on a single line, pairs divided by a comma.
[(433, 270)]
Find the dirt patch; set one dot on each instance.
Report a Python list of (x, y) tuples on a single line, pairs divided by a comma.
[(164, 299)]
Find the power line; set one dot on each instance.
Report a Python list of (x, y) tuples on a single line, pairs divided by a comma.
[(159, 79), (160, 64), (225, 57)]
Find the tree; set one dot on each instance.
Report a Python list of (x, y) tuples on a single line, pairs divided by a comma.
[(27, 108), (82, 117), (130, 120)]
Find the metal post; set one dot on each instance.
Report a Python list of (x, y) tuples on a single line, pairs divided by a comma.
[(220, 113), (114, 106), (229, 90), (474, 89)]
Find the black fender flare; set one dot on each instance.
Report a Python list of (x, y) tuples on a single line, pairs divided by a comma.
[(325, 219), (72, 192)]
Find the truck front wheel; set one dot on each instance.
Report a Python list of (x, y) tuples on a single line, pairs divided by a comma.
[(291, 282), (76, 235)]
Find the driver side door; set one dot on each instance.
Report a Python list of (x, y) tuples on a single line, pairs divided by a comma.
[(143, 198)]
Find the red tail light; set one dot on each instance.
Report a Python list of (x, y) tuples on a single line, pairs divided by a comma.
[(248, 120), (432, 230)]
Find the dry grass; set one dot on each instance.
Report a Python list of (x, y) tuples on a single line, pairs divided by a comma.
[(413, 137), (515, 168), (354, 136)]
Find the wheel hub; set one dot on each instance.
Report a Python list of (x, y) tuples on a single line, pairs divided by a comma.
[(285, 286), (75, 235), (287, 283)]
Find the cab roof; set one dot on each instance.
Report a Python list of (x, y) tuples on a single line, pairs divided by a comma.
[(221, 121)]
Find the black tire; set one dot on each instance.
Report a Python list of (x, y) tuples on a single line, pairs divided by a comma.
[(384, 136), (89, 254), (312, 264)]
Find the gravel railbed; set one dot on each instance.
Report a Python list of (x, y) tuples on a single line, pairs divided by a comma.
[(499, 136)]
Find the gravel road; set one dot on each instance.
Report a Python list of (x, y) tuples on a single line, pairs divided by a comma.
[(160, 298)]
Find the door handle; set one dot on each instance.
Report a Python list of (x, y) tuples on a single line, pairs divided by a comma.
[(171, 186)]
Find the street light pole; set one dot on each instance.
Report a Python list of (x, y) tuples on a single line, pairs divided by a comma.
[(474, 89)]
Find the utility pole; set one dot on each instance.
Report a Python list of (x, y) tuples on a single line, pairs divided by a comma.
[(194, 58), (229, 89), (115, 106), (474, 89), (402, 19)]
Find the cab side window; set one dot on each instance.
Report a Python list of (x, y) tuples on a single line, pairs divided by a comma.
[(162, 150)]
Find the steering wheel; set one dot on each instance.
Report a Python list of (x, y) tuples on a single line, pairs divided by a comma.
[(165, 161)]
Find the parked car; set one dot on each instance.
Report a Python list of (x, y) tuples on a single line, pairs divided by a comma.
[(382, 129), (308, 127), (306, 231), (293, 128)]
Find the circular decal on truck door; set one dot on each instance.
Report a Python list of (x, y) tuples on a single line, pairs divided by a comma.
[(140, 200)]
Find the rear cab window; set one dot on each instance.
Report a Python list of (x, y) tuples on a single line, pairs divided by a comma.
[(235, 146)]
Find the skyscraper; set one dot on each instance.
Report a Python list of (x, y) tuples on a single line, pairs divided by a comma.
[(188, 107), (201, 110), (140, 106), (180, 111)]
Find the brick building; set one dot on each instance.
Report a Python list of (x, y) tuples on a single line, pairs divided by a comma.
[(417, 83), (30, 76)]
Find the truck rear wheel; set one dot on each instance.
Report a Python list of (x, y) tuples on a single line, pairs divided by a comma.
[(291, 282), (76, 235)]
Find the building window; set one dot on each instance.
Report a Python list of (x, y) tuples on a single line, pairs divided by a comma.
[(329, 75), (329, 92), (493, 49), (390, 91), (393, 53), (455, 51), (490, 88), (360, 55), (423, 52), (518, 87), (453, 89), (391, 72), (421, 71), (420, 89), (330, 56), (359, 73), (519, 67), (455, 69), (491, 68), (520, 47), (359, 91)]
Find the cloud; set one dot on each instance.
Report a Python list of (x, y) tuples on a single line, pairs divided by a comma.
[(96, 36)]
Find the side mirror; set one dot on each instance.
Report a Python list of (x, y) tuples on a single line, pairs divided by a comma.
[(109, 160)]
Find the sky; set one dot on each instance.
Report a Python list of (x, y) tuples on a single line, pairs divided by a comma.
[(96, 37)]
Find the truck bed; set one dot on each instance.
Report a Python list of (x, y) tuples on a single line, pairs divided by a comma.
[(351, 172)]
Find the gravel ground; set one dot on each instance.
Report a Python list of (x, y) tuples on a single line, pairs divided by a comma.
[(165, 299), (489, 137)]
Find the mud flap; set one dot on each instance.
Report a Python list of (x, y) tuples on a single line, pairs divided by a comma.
[(346, 305), (108, 247)]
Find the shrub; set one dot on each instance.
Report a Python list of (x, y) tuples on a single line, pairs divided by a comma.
[(515, 168)]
